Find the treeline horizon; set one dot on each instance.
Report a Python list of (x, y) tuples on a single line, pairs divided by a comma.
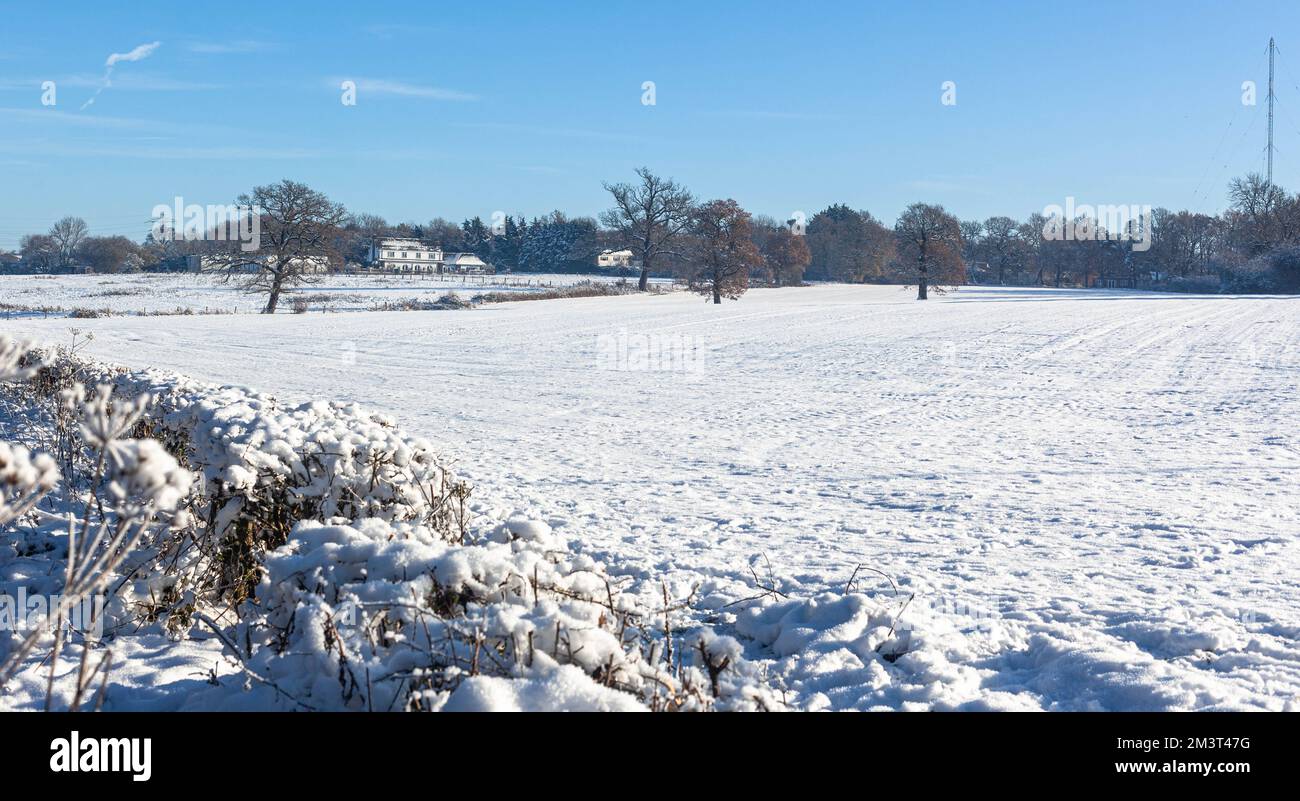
[(1253, 246)]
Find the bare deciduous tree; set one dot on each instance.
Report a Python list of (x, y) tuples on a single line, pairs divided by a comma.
[(39, 253), (724, 250), (68, 234), (298, 235), (848, 245), (931, 238), (649, 216), (1001, 245), (109, 254), (1267, 215), (786, 255)]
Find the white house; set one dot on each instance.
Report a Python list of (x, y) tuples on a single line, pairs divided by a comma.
[(404, 256), (413, 256), (466, 263), (616, 258)]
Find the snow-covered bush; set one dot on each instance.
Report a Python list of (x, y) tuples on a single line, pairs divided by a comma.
[(13, 365), (133, 488), (298, 512), (1277, 270), (342, 567), (381, 615), (260, 467), (25, 478)]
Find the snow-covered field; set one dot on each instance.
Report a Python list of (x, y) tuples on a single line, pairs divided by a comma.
[(1091, 497), (153, 293)]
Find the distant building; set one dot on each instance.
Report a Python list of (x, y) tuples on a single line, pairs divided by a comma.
[(465, 263), (404, 256), (623, 259), (413, 256)]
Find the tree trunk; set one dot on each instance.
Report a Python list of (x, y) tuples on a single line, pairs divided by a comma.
[(717, 295), (920, 271), (644, 283), (273, 299)]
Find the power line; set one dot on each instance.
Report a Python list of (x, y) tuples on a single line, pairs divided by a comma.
[(1215, 155), (1218, 178), (1202, 190)]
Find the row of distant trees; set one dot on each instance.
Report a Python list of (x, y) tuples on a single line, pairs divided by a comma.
[(720, 249), (716, 246), (68, 244), (1248, 248), (1251, 247)]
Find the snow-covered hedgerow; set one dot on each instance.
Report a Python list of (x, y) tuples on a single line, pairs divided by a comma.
[(128, 492), (340, 563), (25, 478), (264, 466), (260, 466), (379, 615)]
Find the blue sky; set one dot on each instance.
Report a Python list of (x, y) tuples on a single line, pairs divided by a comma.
[(469, 108)]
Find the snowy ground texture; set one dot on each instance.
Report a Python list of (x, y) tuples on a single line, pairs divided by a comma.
[(1089, 497), (186, 293)]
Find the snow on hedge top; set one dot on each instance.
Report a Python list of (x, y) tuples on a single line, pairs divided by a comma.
[(348, 462)]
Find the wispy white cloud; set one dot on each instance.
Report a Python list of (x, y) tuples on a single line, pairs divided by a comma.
[(12, 51), (46, 122), (760, 114), (138, 147), (380, 86), (395, 154), (143, 150), (968, 184), (49, 115), (540, 130), (129, 82), (229, 48), (21, 84), (140, 82), (138, 53), (392, 30)]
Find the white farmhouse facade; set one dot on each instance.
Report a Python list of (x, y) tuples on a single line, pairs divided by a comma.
[(616, 258), (404, 256), (413, 256)]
